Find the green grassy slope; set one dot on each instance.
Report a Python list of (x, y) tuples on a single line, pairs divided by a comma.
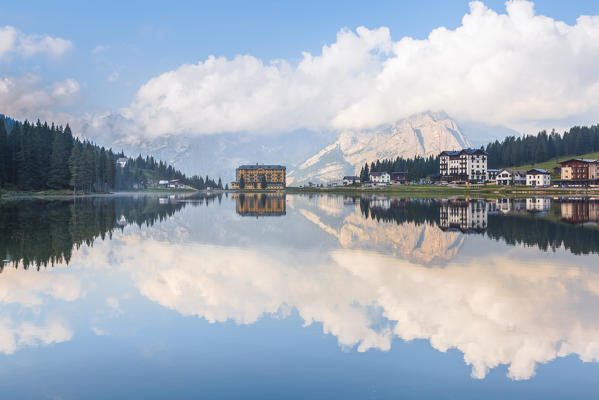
[(549, 165)]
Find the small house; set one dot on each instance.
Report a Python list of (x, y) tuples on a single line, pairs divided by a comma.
[(380, 177), (398, 178), (538, 177), (350, 180)]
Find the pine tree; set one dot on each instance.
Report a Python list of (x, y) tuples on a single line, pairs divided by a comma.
[(3, 153)]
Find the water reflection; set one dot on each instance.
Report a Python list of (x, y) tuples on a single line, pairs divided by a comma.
[(369, 270), (260, 204), (41, 232)]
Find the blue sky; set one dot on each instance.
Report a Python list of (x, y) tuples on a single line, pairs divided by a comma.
[(118, 46)]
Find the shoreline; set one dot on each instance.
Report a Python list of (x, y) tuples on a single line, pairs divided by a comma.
[(437, 190)]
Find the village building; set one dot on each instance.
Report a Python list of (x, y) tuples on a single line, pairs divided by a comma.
[(122, 162), (398, 178), (350, 180), (380, 177), (467, 165), (538, 177), (176, 184), (492, 175), (511, 177), (260, 177), (579, 171)]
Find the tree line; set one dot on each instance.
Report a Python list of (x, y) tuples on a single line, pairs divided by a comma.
[(417, 168), (513, 151), (41, 156)]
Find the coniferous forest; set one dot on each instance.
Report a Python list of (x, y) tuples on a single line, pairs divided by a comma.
[(39, 156), (511, 151)]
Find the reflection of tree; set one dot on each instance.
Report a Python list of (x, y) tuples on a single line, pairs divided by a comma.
[(543, 231), (44, 232)]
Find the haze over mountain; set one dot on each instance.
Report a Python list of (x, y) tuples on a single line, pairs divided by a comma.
[(423, 135)]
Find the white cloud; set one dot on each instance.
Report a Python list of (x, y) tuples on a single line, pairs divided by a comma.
[(518, 69), (25, 97), (113, 77), (100, 48), (14, 41)]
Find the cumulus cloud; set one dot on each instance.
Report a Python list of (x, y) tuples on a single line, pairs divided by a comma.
[(26, 97), (29, 289), (14, 41), (514, 68)]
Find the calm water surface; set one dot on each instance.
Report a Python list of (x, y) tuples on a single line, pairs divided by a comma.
[(299, 297)]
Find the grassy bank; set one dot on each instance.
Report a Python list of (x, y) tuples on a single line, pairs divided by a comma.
[(492, 191), (549, 165)]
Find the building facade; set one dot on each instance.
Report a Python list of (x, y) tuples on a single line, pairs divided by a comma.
[(380, 177), (260, 177), (350, 180), (468, 165), (492, 175), (398, 178), (511, 177), (579, 170), (538, 177)]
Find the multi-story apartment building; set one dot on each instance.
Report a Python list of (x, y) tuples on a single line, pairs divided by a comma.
[(469, 165), (538, 177), (580, 170), (260, 177)]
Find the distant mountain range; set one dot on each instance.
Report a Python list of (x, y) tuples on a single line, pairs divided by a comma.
[(422, 134), (319, 157)]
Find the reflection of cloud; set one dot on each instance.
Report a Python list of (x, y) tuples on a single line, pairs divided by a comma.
[(496, 310), (26, 334), (28, 288)]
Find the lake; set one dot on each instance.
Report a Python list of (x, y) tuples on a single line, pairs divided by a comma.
[(299, 296)]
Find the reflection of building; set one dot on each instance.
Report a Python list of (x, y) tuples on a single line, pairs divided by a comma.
[(463, 215), (259, 177), (380, 203), (538, 204), (580, 210), (261, 204), (463, 165)]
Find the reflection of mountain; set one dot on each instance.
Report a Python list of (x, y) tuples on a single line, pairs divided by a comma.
[(415, 236), (260, 204)]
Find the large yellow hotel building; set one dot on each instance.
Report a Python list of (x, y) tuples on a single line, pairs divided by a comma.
[(259, 177)]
